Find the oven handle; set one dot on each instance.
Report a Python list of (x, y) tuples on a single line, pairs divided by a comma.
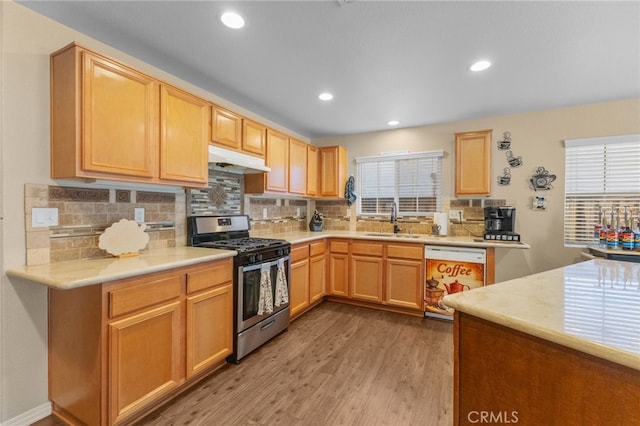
[(260, 265)]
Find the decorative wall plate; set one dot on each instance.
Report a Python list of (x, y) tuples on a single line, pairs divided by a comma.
[(124, 238)]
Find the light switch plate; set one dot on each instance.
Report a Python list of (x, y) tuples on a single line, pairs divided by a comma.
[(456, 216), (139, 215), (43, 217)]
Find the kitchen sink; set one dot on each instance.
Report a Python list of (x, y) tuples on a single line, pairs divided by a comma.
[(392, 235)]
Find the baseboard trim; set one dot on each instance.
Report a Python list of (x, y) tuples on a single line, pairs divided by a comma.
[(30, 417)]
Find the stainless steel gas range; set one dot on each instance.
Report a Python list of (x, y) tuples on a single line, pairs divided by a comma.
[(261, 278)]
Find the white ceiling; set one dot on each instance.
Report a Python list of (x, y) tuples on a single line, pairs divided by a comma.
[(383, 60)]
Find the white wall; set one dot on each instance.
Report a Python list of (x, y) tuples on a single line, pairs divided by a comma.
[(537, 137)]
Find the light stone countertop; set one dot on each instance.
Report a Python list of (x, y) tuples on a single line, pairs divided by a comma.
[(593, 307), (307, 236), (68, 275), (73, 274)]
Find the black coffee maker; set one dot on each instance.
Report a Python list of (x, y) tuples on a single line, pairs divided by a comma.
[(500, 223)]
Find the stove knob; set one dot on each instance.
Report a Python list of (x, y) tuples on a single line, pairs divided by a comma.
[(251, 258), (259, 256)]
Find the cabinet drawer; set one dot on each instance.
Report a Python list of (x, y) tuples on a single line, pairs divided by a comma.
[(299, 252), (143, 294), (211, 275), (369, 249), (405, 251), (317, 248), (339, 247)]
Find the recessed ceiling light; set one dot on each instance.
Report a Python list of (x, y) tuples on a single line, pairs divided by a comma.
[(326, 96), (480, 66), (232, 20), (393, 123)]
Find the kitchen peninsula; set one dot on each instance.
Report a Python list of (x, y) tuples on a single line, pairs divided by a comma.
[(558, 347)]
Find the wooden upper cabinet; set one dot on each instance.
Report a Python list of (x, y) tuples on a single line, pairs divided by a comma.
[(333, 171), (254, 136), (278, 160), (297, 167), (473, 163), (183, 143), (226, 128), (103, 118), (107, 120), (312, 170)]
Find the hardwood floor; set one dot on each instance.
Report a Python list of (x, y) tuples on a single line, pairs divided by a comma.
[(337, 365)]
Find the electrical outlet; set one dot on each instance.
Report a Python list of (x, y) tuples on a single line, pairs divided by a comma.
[(297, 211), (138, 215), (264, 212), (456, 216)]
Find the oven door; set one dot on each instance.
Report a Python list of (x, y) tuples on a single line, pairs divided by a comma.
[(249, 285)]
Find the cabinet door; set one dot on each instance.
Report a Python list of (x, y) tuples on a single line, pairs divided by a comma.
[(297, 167), (317, 267), (209, 328), (119, 110), (278, 160), (312, 170), (144, 359), (254, 136), (333, 171), (226, 128), (404, 283), (183, 143), (299, 284), (366, 278), (338, 274), (473, 163)]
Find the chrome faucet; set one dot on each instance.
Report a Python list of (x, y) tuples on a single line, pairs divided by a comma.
[(394, 218)]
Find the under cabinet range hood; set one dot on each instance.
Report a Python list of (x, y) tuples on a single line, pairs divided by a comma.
[(236, 162)]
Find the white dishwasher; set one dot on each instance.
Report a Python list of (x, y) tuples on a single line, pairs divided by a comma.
[(449, 270)]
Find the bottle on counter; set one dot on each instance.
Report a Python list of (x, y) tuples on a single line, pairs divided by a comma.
[(597, 229), (604, 232), (627, 236), (613, 234), (637, 232)]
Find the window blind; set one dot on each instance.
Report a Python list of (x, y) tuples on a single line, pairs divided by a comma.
[(601, 174), (412, 181)]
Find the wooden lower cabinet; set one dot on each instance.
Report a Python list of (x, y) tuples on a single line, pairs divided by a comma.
[(404, 276), (338, 267), (307, 280), (119, 349), (367, 265), (299, 280), (378, 274), (144, 359), (317, 268), (209, 328)]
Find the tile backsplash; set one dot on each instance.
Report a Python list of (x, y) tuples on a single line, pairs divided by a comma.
[(84, 213), (223, 196)]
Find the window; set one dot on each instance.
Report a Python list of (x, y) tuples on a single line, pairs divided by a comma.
[(602, 175), (412, 181)]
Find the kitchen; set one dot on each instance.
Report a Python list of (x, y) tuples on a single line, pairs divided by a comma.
[(26, 100)]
